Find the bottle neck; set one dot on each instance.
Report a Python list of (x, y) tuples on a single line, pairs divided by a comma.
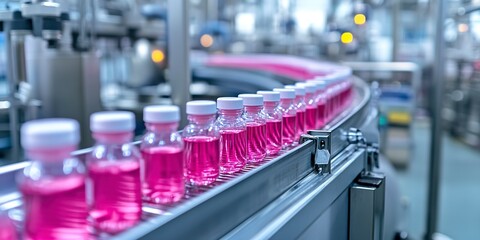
[(50, 155), (309, 99), (113, 138), (201, 119), (286, 102), (162, 127), (253, 109), (230, 113), (270, 106), (299, 99)]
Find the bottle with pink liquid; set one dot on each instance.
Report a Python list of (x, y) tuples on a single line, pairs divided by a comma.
[(114, 173), (328, 91), (289, 116), (162, 152), (274, 124), (256, 127), (202, 143), (233, 134), (301, 109), (7, 229), (311, 106), (322, 103), (53, 185)]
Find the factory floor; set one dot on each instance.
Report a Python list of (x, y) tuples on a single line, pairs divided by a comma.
[(459, 213)]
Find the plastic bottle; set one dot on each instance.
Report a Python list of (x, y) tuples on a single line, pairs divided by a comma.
[(322, 105), (7, 229), (301, 109), (273, 114), (162, 152), (233, 134), (289, 116), (114, 173), (256, 127), (329, 96), (202, 143), (53, 185), (311, 107)]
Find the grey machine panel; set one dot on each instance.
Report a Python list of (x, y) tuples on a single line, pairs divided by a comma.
[(268, 200)]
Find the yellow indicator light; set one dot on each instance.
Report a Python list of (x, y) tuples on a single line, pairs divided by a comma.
[(399, 117), (157, 56), (346, 37), (462, 27), (359, 19), (206, 41)]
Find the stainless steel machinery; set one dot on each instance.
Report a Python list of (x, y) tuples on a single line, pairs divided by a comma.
[(327, 187), (54, 56)]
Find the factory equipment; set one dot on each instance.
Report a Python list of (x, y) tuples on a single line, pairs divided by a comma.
[(326, 186), (399, 99), (460, 112), (59, 57)]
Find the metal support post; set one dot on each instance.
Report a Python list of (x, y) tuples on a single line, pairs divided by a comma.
[(12, 82), (436, 130), (179, 72), (367, 203)]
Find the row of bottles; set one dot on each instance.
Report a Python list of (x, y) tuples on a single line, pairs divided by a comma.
[(64, 199)]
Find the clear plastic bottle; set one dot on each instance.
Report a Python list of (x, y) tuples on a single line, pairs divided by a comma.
[(301, 109), (289, 116), (162, 152), (328, 92), (202, 143), (7, 229), (311, 106), (322, 105), (256, 127), (53, 185), (233, 134), (114, 173), (271, 101)]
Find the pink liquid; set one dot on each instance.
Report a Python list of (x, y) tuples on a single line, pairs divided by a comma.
[(117, 198), (311, 118), (234, 150), (257, 141), (300, 124), (55, 208), (322, 115), (329, 108), (7, 229), (289, 130), (274, 137), (163, 174), (202, 158)]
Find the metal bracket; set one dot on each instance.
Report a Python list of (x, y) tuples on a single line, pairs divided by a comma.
[(355, 136), (321, 157)]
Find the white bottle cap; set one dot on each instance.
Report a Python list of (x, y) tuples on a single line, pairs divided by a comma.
[(309, 87), (112, 122), (161, 114), (229, 103), (252, 99), (269, 96), (299, 90), (50, 133), (201, 107), (321, 84), (285, 93)]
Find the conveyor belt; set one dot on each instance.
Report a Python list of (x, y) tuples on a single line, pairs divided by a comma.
[(214, 211)]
